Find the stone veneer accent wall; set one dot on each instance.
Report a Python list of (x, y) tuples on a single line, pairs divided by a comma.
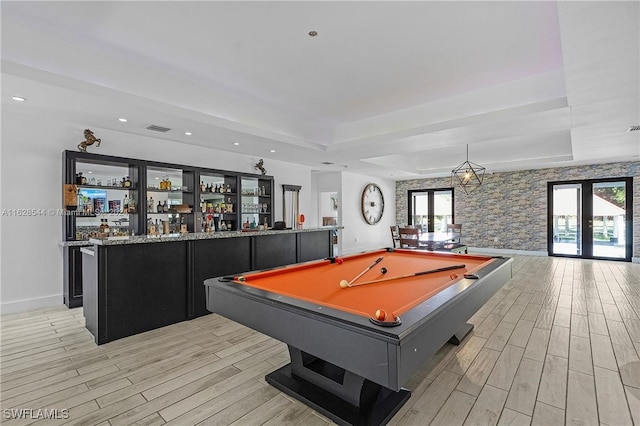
[(512, 206)]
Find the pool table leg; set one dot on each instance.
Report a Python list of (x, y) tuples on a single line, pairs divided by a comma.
[(343, 396), (457, 338)]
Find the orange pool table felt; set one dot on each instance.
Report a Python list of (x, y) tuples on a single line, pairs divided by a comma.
[(318, 282)]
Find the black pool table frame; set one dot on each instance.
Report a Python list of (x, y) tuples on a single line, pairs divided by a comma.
[(343, 365)]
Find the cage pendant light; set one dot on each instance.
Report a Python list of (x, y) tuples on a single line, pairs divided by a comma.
[(468, 175)]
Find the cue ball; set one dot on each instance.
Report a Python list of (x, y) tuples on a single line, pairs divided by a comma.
[(381, 315), (339, 261), (383, 270), (344, 283)]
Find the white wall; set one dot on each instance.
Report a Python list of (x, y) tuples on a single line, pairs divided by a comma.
[(357, 234), (31, 178)]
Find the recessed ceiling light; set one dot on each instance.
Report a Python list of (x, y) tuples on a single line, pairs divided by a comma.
[(18, 98), (188, 133), (273, 150), (236, 143), (89, 171), (157, 178), (124, 120)]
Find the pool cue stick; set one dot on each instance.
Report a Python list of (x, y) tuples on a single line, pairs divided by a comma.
[(375, 262), (430, 271)]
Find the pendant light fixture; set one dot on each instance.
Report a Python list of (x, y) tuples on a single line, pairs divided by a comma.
[(468, 175)]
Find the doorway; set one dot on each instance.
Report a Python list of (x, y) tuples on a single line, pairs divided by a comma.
[(431, 209), (591, 219), (328, 211)]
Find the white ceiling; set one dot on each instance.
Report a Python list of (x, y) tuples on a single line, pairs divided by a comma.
[(390, 89)]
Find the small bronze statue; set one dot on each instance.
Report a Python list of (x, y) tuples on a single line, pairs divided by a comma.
[(90, 140), (260, 166)]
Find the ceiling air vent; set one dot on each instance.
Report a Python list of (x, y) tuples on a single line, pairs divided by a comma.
[(633, 128), (156, 128)]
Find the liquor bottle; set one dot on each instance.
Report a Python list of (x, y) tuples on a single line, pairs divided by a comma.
[(165, 208), (125, 204), (216, 189), (228, 188), (202, 187), (150, 205), (132, 205), (127, 182), (168, 184), (159, 207)]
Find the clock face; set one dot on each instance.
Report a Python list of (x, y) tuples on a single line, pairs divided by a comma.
[(372, 204)]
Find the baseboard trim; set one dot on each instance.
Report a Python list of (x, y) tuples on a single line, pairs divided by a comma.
[(31, 304), (507, 251)]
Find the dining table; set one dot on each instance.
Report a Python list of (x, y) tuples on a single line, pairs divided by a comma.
[(431, 240)]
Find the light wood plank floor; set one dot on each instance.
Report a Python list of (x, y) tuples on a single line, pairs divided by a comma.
[(558, 344)]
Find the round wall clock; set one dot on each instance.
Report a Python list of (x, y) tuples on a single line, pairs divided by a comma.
[(372, 205)]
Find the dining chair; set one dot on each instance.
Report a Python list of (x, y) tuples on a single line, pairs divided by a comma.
[(455, 228), (395, 237), (409, 238)]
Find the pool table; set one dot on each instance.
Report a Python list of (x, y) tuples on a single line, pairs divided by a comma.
[(354, 346)]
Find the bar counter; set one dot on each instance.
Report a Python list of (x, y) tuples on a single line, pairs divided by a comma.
[(138, 283)]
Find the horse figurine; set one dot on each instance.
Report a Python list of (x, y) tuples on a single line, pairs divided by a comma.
[(260, 166), (90, 140)]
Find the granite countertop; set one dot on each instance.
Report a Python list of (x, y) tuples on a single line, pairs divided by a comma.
[(140, 239), (75, 243)]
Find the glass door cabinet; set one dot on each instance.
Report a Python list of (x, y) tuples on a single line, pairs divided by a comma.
[(217, 209), (256, 203), (121, 197)]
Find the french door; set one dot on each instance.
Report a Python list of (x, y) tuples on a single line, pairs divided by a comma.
[(591, 219), (431, 209)]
